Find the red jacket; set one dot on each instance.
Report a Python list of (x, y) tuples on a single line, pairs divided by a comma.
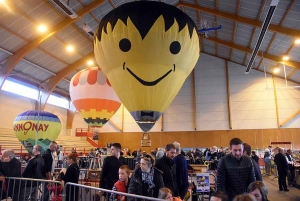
[(120, 187), (57, 191)]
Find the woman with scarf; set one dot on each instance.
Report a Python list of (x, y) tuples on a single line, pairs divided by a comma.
[(146, 180)]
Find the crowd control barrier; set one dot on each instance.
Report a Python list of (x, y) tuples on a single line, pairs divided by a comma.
[(78, 192), (21, 189)]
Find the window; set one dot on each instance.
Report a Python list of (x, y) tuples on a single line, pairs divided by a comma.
[(20, 89), (33, 93), (58, 101)]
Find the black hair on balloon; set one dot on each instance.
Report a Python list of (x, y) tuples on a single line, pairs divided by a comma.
[(143, 14)]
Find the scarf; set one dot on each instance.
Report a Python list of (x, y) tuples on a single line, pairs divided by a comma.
[(147, 178)]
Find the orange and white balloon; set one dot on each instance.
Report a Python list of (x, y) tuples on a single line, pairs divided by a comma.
[(93, 96)]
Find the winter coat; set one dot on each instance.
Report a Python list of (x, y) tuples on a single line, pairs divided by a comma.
[(168, 167), (120, 187), (110, 171), (181, 175), (234, 176), (34, 170), (281, 162), (138, 187)]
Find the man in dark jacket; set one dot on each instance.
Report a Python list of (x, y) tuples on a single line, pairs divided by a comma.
[(110, 169), (235, 171), (254, 156), (10, 167), (49, 167), (282, 168), (247, 152), (34, 170), (181, 171), (168, 167)]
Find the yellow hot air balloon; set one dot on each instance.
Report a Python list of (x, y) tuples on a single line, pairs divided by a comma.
[(93, 97), (146, 49), (28, 123)]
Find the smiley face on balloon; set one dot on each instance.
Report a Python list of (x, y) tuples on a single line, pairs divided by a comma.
[(146, 49)]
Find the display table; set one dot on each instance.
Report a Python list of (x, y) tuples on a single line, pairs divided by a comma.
[(200, 168)]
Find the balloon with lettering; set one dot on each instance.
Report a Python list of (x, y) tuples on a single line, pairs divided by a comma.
[(146, 49), (93, 97), (28, 123)]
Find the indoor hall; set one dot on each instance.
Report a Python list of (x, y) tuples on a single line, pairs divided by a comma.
[(244, 84)]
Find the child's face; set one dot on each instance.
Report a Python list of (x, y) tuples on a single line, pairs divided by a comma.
[(123, 175), (169, 197), (213, 198)]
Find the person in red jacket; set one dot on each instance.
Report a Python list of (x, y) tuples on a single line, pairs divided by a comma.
[(57, 190), (122, 184)]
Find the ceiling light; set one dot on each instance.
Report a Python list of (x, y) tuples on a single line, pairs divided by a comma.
[(42, 28), (276, 70), (70, 48), (285, 58), (90, 62), (297, 41)]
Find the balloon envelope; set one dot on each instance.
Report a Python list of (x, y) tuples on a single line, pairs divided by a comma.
[(93, 97), (146, 49), (28, 123)]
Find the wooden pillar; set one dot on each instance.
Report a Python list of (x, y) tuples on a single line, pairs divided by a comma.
[(228, 96), (194, 100), (276, 101)]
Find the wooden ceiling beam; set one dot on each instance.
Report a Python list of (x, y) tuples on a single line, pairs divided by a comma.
[(256, 23), (217, 19), (199, 23), (271, 57), (292, 73), (13, 60), (54, 80), (112, 3), (235, 26)]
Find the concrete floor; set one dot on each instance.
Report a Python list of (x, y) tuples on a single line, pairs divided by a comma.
[(276, 195)]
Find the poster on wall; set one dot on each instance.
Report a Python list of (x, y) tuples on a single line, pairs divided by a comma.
[(202, 184)]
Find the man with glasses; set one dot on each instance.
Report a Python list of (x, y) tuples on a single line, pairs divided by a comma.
[(167, 165)]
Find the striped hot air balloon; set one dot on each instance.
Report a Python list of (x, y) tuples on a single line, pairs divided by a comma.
[(28, 123), (93, 97)]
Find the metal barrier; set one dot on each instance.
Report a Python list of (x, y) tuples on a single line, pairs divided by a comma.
[(78, 192), (21, 189)]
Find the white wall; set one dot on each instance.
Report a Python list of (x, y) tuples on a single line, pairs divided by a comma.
[(211, 95), (252, 104)]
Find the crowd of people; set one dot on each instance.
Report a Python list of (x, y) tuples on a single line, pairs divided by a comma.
[(165, 175), (159, 174), (40, 172)]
